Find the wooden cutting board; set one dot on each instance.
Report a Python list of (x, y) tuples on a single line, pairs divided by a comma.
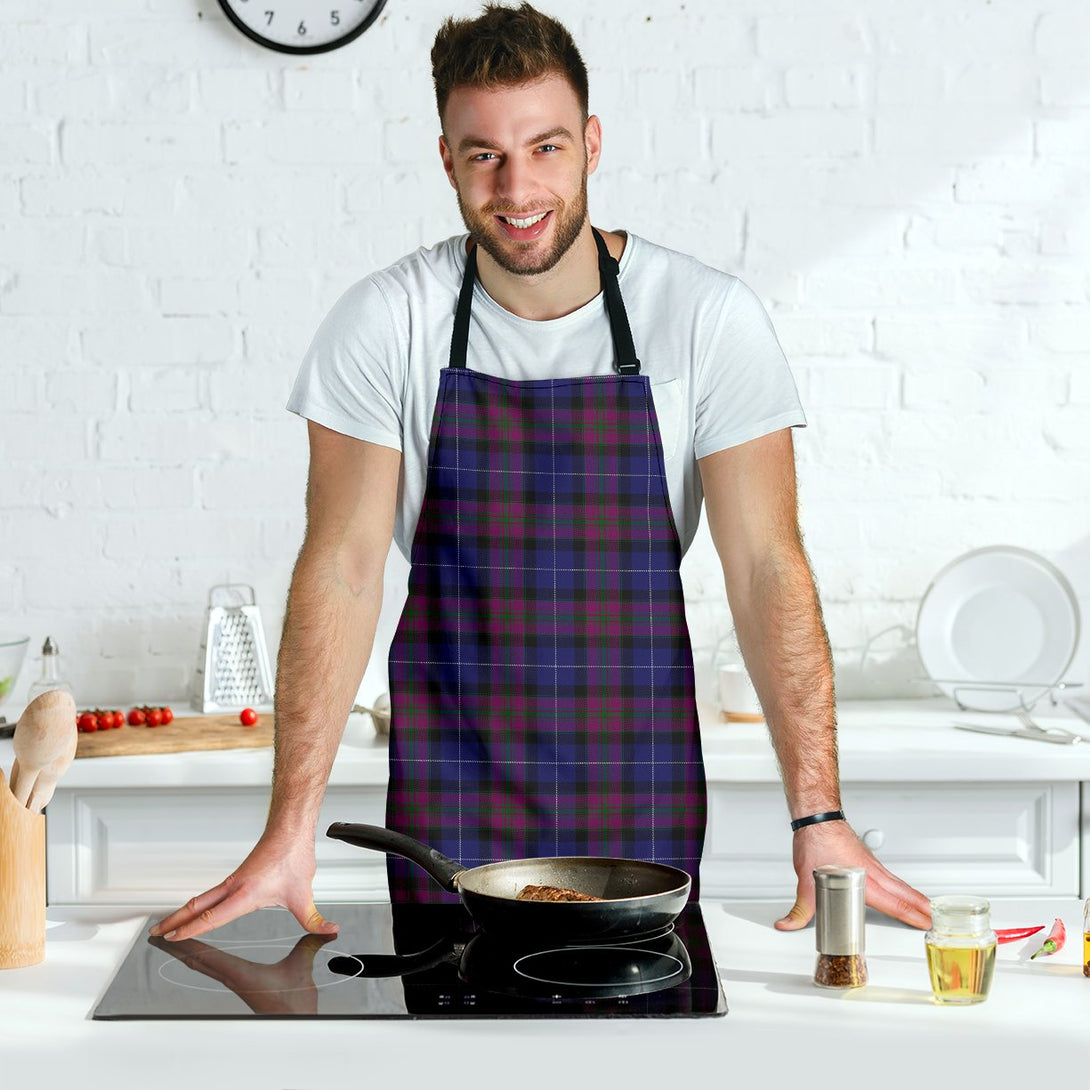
[(186, 732)]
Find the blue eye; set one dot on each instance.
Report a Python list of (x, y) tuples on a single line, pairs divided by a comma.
[(549, 147)]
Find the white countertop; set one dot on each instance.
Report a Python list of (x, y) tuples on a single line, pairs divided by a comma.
[(780, 1029), (880, 741)]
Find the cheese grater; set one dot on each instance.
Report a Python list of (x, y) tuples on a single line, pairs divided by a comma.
[(233, 666)]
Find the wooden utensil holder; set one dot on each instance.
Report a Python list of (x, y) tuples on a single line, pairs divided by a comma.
[(22, 883)]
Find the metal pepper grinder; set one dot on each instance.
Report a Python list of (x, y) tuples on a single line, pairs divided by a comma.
[(840, 904)]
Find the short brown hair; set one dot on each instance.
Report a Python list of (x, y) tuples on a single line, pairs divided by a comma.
[(504, 47)]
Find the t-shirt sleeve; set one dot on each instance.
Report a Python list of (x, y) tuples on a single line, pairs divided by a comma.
[(745, 388), (351, 379)]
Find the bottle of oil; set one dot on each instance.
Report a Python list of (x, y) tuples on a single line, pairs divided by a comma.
[(960, 949), (1086, 938)]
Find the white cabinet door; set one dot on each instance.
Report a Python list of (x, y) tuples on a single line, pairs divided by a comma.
[(160, 847), (995, 839)]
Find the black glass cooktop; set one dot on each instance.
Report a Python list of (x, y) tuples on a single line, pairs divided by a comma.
[(420, 961)]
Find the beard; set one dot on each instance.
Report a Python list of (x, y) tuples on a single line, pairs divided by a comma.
[(520, 258)]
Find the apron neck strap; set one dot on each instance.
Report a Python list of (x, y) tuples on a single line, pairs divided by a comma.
[(624, 351), (625, 361)]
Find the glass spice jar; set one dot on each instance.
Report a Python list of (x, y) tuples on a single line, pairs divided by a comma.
[(839, 907), (960, 949)]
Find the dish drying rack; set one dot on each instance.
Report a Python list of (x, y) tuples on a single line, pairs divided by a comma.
[(1023, 694), (1018, 692)]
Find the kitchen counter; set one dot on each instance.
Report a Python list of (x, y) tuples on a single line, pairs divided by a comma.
[(779, 1029), (917, 733), (945, 809)]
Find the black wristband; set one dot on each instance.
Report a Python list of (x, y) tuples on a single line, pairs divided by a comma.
[(816, 819)]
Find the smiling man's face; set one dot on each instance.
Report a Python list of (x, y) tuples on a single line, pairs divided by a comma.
[(518, 158)]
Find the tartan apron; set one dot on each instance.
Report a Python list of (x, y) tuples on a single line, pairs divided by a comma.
[(541, 675)]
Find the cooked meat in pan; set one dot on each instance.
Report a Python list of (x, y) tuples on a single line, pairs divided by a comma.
[(552, 893)]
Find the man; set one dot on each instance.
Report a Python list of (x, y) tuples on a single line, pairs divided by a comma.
[(542, 460)]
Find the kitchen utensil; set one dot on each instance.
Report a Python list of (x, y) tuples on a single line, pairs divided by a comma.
[(638, 897), (182, 734), (233, 666), (1027, 722), (22, 883), (1057, 735), (45, 743), (997, 628), (12, 652)]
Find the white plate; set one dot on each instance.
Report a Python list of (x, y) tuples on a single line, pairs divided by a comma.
[(997, 628)]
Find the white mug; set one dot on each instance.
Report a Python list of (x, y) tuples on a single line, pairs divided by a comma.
[(738, 701)]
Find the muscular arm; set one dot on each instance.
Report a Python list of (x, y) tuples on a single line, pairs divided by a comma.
[(751, 505), (329, 629), (750, 500)]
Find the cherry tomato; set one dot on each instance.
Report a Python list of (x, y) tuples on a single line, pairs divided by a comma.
[(87, 722), (168, 715), (247, 717), (119, 718), (154, 717), (137, 717), (105, 720)]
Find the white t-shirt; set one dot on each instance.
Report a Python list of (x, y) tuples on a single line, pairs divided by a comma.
[(718, 374)]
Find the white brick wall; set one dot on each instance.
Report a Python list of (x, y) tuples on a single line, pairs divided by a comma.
[(904, 187)]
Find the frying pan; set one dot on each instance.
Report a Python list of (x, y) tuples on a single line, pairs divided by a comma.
[(637, 896)]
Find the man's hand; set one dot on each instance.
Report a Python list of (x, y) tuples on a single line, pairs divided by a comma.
[(834, 842), (274, 873)]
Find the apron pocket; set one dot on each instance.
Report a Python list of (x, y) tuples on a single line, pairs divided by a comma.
[(666, 397)]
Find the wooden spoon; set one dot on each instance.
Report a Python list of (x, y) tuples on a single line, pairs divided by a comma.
[(45, 743)]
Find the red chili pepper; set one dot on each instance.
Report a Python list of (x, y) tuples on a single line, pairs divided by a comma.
[(1055, 940), (1013, 934)]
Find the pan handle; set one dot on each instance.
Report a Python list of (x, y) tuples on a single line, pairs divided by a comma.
[(440, 867), (387, 965)]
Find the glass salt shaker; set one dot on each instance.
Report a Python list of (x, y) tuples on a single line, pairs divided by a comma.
[(51, 672), (839, 907), (960, 949)]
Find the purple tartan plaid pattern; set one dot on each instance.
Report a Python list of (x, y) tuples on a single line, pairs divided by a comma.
[(541, 675)]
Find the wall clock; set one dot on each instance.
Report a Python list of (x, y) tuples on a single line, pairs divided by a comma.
[(302, 26)]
